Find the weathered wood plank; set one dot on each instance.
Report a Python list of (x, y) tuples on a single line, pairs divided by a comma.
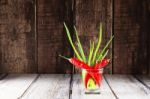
[(14, 85), (17, 36), (54, 86), (127, 87), (131, 29), (78, 90), (88, 15), (52, 39)]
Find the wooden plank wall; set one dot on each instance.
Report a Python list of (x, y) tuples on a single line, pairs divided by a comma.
[(131, 32), (52, 39), (32, 33), (17, 36)]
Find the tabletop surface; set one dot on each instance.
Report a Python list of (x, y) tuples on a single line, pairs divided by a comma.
[(65, 86)]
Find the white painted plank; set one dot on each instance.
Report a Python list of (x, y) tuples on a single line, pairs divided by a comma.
[(127, 87), (144, 79), (49, 86), (78, 90), (14, 85)]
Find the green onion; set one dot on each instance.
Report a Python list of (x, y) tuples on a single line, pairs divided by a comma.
[(70, 40), (80, 46), (102, 56), (98, 44), (91, 53), (106, 46), (94, 54)]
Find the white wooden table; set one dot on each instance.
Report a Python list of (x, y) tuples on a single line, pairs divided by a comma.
[(60, 86)]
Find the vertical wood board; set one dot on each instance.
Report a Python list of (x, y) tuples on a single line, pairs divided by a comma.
[(17, 36), (52, 41), (131, 31)]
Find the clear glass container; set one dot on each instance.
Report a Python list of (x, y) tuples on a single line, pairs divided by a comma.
[(92, 79)]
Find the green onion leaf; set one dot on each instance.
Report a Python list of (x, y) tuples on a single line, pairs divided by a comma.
[(106, 46), (80, 46), (71, 42), (103, 56), (91, 53), (98, 44)]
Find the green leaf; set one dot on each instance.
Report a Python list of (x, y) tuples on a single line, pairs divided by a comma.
[(80, 46), (98, 44), (71, 42), (102, 56), (104, 49), (91, 53), (98, 55)]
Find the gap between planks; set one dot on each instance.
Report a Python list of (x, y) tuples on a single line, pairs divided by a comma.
[(2, 76), (145, 80), (29, 86), (49, 86), (127, 87), (70, 86), (111, 88), (24, 86), (14, 85)]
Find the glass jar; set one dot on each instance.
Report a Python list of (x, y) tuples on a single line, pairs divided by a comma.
[(92, 79)]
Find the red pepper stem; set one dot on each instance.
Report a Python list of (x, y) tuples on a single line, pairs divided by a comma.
[(64, 57)]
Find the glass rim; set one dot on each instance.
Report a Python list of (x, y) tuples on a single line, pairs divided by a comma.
[(93, 70)]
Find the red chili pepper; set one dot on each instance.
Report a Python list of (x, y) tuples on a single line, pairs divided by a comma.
[(94, 72), (79, 63), (91, 72), (87, 77), (94, 76), (101, 64), (97, 76)]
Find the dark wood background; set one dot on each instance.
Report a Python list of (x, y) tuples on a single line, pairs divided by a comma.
[(32, 34)]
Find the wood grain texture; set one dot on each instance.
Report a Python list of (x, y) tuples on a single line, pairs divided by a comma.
[(52, 39), (131, 31), (127, 87), (88, 15), (14, 85), (78, 90), (17, 36), (52, 86), (23, 50)]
